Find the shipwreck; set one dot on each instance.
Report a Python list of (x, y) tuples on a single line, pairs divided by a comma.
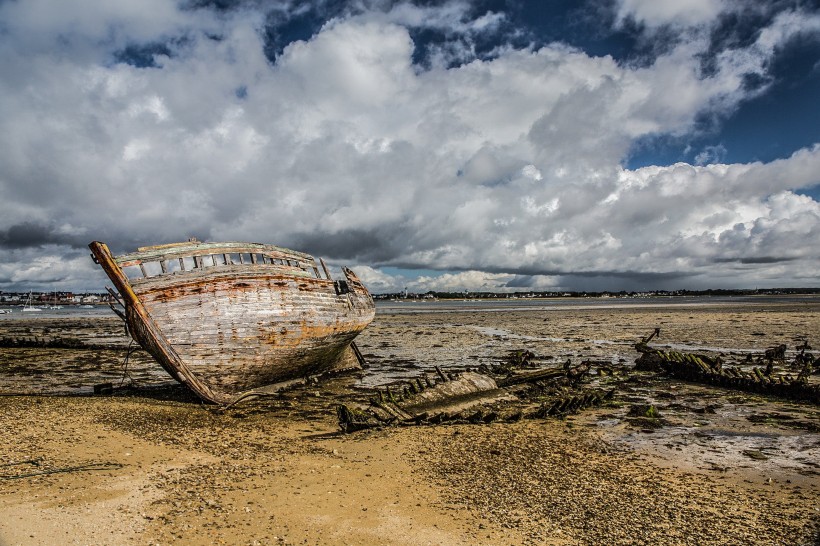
[(230, 319)]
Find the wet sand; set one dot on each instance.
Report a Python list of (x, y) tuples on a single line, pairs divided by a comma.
[(726, 467)]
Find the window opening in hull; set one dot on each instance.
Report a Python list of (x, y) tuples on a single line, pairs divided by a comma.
[(132, 272), (151, 269), (172, 266)]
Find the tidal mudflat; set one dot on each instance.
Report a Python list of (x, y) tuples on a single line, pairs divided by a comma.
[(721, 467)]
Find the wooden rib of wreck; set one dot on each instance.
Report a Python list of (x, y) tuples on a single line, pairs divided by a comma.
[(454, 397), (228, 319), (701, 368)]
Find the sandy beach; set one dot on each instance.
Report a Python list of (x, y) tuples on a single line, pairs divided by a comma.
[(152, 465)]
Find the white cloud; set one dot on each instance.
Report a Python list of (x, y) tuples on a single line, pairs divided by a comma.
[(711, 154), (378, 281), (344, 148), (89, 29), (50, 266), (475, 281), (656, 13), (450, 17)]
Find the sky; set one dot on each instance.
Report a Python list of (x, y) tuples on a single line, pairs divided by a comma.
[(430, 145)]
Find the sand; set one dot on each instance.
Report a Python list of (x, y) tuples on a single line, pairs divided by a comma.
[(278, 471)]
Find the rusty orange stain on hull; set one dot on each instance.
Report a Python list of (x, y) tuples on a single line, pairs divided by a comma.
[(225, 328)]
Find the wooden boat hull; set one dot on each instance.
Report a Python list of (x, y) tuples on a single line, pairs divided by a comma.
[(231, 328)]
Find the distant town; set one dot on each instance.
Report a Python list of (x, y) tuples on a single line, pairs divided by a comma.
[(41, 299), (431, 295)]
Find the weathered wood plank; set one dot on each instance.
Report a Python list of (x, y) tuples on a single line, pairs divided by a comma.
[(200, 275), (238, 327), (156, 253)]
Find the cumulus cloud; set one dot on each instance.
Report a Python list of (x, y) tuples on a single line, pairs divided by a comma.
[(711, 154), (504, 171), (451, 18), (475, 281), (656, 13)]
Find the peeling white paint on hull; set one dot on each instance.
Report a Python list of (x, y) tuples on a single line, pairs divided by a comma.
[(228, 318)]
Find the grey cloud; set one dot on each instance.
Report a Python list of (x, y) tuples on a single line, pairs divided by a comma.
[(491, 167), (349, 244), (602, 280), (756, 260), (32, 234), (580, 124), (636, 282), (648, 277), (345, 149)]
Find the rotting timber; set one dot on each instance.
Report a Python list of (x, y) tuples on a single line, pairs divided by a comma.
[(701, 368), (230, 319), (520, 387), (501, 393)]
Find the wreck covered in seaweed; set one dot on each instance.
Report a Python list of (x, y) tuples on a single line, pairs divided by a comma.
[(226, 319)]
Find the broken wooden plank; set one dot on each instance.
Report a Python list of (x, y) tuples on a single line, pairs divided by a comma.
[(701, 368), (455, 396)]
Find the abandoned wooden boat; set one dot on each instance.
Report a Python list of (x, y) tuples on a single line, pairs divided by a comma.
[(226, 319)]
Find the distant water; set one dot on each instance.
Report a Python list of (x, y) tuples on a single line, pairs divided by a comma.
[(489, 304), (546, 304), (66, 311), (390, 358)]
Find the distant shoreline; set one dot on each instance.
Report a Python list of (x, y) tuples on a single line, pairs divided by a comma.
[(605, 294), (17, 304)]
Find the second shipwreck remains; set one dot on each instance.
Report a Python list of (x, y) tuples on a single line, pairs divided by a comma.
[(227, 318)]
